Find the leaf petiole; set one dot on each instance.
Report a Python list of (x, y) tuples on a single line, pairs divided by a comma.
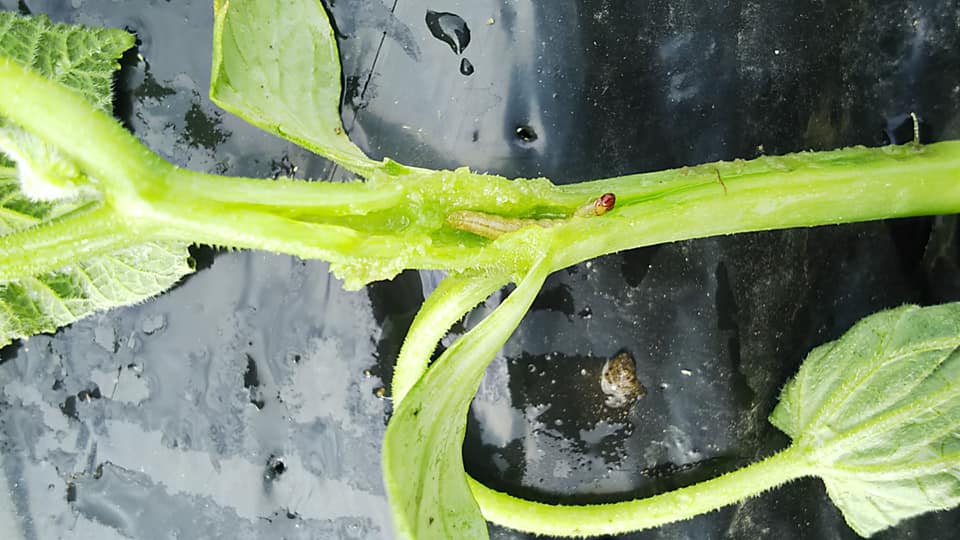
[(617, 518), (64, 241), (450, 301)]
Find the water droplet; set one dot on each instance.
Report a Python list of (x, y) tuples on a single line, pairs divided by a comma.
[(449, 28), (526, 134), (275, 468), (466, 67)]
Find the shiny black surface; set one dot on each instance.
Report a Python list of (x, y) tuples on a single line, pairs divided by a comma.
[(243, 401)]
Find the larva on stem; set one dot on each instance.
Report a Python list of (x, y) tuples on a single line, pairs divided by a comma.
[(597, 207), (493, 226)]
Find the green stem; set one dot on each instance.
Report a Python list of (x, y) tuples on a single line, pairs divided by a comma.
[(91, 138), (257, 228), (286, 196), (453, 298), (423, 445), (618, 518), (65, 241), (844, 186), (397, 221), (847, 185), (798, 190)]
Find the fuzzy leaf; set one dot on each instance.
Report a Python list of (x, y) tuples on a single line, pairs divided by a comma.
[(18, 211), (276, 65), (83, 59), (46, 302), (80, 57), (877, 412), (44, 173)]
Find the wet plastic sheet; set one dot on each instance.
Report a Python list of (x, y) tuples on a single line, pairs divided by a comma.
[(243, 404)]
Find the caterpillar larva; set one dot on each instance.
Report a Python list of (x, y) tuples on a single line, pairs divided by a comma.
[(493, 226)]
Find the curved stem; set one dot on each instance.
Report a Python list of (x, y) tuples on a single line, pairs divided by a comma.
[(453, 298), (423, 445), (406, 226), (618, 518), (90, 137)]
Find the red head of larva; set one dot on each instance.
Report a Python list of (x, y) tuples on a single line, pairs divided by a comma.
[(605, 203)]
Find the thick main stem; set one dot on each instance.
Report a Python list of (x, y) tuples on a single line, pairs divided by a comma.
[(797, 190), (843, 186), (617, 518), (381, 229), (285, 196)]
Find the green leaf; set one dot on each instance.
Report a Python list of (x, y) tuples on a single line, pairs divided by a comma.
[(46, 302), (17, 211), (877, 414), (80, 57), (422, 454), (84, 60), (44, 173), (276, 65)]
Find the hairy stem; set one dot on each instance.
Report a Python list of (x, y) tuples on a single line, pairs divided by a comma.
[(797, 190), (65, 241), (635, 515), (91, 138), (291, 197), (422, 455), (400, 218), (452, 299)]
